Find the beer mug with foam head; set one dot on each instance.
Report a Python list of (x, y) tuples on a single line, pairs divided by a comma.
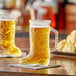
[(7, 36), (39, 42)]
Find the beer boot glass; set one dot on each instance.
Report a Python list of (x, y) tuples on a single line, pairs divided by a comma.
[(7, 36), (39, 43)]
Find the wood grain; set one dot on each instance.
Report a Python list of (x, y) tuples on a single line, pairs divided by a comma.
[(68, 65)]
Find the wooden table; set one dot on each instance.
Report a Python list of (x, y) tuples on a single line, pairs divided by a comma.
[(68, 65)]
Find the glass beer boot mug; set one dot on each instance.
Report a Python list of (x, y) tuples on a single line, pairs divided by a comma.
[(39, 43), (7, 36)]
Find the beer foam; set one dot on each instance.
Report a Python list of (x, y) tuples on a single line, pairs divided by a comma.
[(6, 20), (6, 17), (39, 26)]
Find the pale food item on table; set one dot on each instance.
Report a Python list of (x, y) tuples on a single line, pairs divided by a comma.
[(69, 48), (68, 38), (73, 37), (61, 45), (68, 44)]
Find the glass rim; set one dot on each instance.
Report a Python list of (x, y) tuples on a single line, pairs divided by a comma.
[(39, 21), (7, 17)]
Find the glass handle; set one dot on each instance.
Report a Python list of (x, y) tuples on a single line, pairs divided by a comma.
[(56, 36)]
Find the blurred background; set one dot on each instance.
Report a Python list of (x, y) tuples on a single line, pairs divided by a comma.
[(62, 13)]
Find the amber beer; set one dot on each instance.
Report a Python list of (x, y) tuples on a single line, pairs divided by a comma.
[(39, 43), (7, 36), (7, 31)]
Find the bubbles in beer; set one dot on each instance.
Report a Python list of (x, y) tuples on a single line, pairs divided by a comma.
[(39, 46), (7, 38)]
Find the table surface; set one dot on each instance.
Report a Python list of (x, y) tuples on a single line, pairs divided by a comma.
[(68, 65)]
